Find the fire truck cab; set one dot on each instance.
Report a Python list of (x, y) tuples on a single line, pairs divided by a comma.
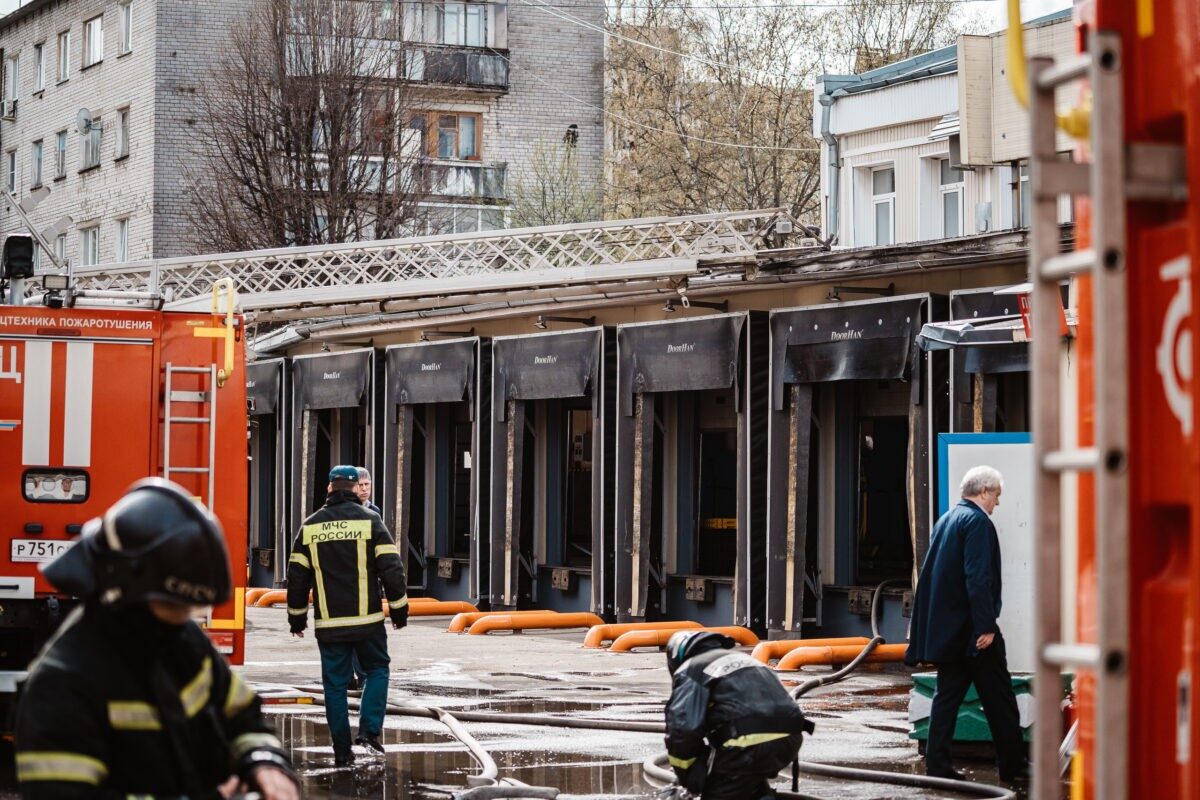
[(91, 400)]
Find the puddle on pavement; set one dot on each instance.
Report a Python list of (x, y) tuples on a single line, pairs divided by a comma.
[(424, 765)]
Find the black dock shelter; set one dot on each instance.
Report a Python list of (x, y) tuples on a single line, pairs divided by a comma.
[(989, 375), (855, 398), (434, 463), (691, 469), (553, 400), (268, 466), (332, 415)]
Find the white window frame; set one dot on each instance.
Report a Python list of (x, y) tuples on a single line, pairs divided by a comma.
[(64, 55), (39, 67), (886, 198), (89, 245), (93, 41), (122, 133), (37, 154), (959, 188), (1020, 190), (60, 154), (12, 77), (60, 248), (122, 253), (126, 30), (91, 146), (10, 171)]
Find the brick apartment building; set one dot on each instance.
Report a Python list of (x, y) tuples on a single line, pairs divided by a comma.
[(514, 75)]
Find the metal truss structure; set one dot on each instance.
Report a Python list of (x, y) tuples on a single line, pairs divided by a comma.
[(328, 274)]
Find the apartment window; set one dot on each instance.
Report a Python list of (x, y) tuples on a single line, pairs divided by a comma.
[(39, 68), (883, 204), (60, 154), (122, 133), (126, 18), (91, 145), (377, 119), (458, 136), (93, 41), (10, 171), (64, 56), (123, 239), (12, 78), (35, 163), (950, 182), (1022, 199), (463, 24), (89, 245)]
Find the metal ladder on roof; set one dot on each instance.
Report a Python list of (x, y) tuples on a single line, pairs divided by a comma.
[(205, 398)]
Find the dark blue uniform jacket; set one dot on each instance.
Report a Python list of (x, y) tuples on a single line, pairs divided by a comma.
[(958, 593)]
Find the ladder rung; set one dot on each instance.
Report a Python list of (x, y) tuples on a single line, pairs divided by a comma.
[(1059, 267), (189, 470), (189, 397), (192, 370), (1071, 460), (1071, 655), (1064, 71), (197, 420)]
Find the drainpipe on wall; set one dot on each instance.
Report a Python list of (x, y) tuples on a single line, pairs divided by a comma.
[(834, 163)]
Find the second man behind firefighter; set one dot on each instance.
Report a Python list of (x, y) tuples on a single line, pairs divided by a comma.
[(342, 554)]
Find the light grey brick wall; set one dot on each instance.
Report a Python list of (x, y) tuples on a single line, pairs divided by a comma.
[(556, 78), (117, 188)]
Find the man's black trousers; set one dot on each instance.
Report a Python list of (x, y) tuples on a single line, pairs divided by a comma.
[(989, 672)]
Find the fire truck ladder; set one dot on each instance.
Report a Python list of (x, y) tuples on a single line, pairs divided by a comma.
[(206, 399), (1118, 172)]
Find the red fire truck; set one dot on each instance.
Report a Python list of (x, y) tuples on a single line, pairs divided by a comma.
[(91, 400)]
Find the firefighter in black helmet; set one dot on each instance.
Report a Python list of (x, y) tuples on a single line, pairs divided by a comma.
[(130, 698), (731, 725), (343, 553)]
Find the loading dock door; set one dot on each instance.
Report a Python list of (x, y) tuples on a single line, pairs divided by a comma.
[(989, 384), (331, 421), (268, 513), (872, 340), (656, 360), (425, 448), (546, 367)]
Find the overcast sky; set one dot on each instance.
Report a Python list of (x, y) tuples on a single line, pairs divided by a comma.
[(995, 8)]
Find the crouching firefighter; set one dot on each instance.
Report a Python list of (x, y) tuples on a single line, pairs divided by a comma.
[(731, 725), (342, 553), (130, 697)]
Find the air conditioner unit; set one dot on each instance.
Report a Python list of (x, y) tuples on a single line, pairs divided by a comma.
[(10, 109)]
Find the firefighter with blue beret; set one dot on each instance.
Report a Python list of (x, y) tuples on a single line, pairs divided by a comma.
[(342, 554)]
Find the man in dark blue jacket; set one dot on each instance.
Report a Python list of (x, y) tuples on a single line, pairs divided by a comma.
[(954, 627)]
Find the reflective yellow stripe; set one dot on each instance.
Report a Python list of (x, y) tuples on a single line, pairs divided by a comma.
[(343, 622), (301, 559), (320, 581), (133, 715), (362, 577), (53, 766), (298, 612), (751, 739), (252, 741), (386, 549), (196, 694), (401, 603), (681, 763), (239, 697)]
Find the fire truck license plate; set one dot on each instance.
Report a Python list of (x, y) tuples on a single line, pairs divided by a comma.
[(37, 549)]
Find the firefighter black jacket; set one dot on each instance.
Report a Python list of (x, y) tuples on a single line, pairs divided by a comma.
[(121, 704), (342, 553), (728, 714)]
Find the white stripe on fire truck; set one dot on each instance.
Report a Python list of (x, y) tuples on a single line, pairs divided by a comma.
[(35, 433), (77, 420)]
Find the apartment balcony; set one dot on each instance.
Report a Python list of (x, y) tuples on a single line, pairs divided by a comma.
[(476, 69), (462, 180)]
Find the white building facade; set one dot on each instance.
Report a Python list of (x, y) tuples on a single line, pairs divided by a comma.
[(932, 147)]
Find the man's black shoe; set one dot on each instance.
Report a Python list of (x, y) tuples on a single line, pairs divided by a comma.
[(343, 759), (951, 774), (372, 744)]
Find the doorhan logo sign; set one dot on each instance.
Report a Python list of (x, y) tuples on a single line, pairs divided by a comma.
[(842, 336), (434, 367), (330, 376), (686, 347), (545, 360)]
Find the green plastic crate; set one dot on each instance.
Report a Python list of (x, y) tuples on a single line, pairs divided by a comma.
[(972, 724)]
